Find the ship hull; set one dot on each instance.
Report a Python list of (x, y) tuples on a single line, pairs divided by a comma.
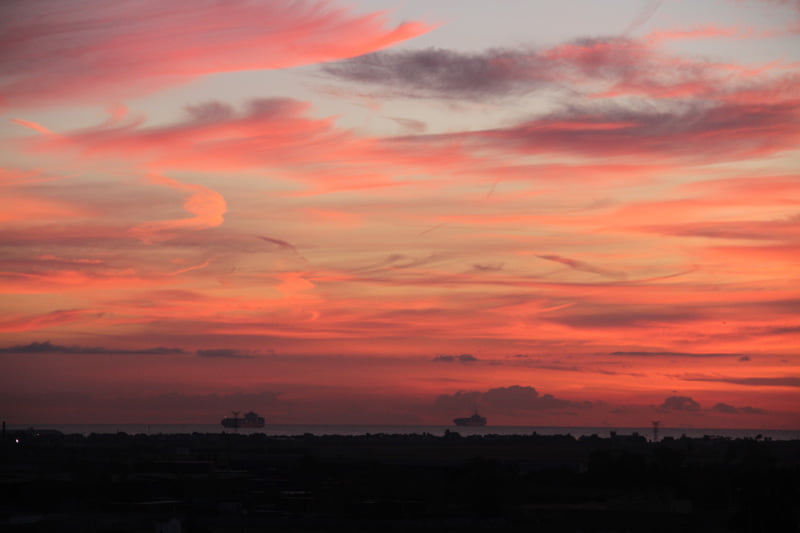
[(472, 421), (234, 423), (249, 421), (469, 424)]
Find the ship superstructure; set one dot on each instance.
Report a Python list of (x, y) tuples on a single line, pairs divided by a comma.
[(250, 420), (475, 420)]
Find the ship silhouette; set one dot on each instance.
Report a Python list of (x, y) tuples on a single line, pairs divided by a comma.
[(474, 420), (249, 420)]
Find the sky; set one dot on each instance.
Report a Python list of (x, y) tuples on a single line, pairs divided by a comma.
[(571, 213)]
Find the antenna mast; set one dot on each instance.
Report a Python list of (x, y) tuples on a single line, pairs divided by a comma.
[(656, 423)]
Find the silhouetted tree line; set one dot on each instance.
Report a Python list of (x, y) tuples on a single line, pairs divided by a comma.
[(221, 482)]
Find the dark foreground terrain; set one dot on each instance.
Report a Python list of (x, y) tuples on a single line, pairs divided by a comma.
[(237, 483)]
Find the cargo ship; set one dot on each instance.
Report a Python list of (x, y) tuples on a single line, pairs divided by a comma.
[(250, 420), (475, 420)]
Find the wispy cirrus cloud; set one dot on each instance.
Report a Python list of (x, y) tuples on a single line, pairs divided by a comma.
[(223, 353), (448, 74), (597, 67), (677, 354), (207, 206), (46, 320), (49, 47), (582, 266), (759, 381), (730, 130), (211, 135), (731, 410), (275, 133)]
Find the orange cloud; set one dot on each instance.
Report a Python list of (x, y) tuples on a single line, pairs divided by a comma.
[(45, 321)]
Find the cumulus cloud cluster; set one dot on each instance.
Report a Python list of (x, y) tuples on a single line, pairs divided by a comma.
[(511, 399), (689, 405)]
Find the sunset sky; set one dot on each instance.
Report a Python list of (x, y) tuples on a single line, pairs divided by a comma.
[(575, 213)]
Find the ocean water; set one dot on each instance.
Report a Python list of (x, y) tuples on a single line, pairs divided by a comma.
[(315, 429)]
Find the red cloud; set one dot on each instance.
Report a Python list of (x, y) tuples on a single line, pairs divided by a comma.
[(82, 50)]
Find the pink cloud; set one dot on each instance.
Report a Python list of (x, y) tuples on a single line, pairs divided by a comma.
[(132, 47), (44, 321), (207, 206), (274, 133), (211, 135)]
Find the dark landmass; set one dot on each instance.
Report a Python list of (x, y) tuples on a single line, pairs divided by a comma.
[(248, 483)]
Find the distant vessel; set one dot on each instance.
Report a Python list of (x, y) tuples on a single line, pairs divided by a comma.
[(249, 420), (474, 420)]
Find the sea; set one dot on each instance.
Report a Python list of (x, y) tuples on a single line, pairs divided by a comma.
[(355, 430)]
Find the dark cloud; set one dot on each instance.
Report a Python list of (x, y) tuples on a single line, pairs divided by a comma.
[(440, 73), (613, 65), (729, 409), (725, 408), (400, 261), (396, 261), (752, 411), (487, 267), (463, 358), (505, 399), (460, 401), (680, 403), (282, 245), (781, 381), (610, 129), (617, 319), (647, 12), (545, 364), (681, 354), (789, 330), (583, 267), (783, 229), (410, 125), (524, 398), (279, 243), (48, 347), (627, 65), (223, 353)]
